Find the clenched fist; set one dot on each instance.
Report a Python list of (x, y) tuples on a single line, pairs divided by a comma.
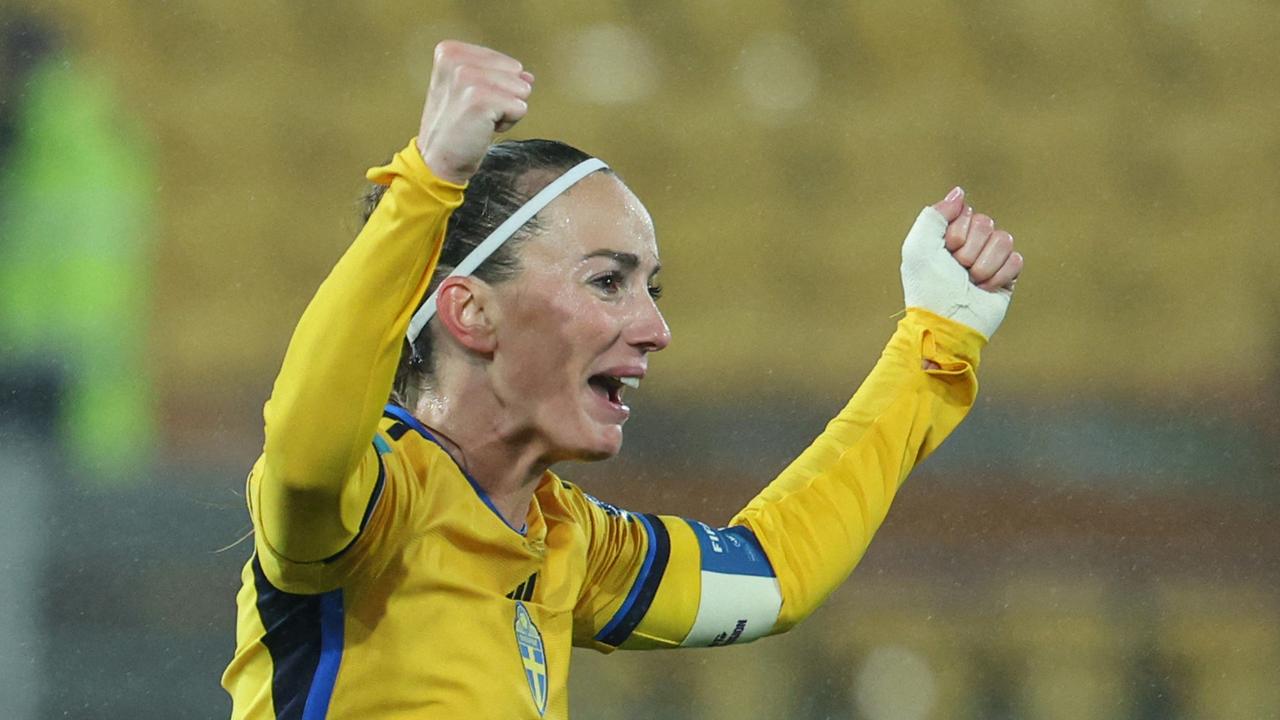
[(958, 265), (475, 92)]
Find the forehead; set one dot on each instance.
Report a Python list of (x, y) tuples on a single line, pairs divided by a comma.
[(598, 213)]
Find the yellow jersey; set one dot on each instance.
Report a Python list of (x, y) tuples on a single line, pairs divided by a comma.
[(384, 584)]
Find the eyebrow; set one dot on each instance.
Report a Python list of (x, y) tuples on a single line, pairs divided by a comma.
[(628, 261)]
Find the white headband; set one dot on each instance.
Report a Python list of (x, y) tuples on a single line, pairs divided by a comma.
[(503, 233)]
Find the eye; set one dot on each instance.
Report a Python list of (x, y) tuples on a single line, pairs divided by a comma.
[(610, 283), (655, 292)]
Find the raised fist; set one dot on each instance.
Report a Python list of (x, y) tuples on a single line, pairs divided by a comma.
[(957, 264), (475, 92)]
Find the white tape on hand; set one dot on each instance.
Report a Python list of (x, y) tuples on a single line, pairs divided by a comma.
[(934, 280)]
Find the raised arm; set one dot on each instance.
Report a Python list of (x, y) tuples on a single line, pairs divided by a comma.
[(318, 469), (782, 555), (817, 518)]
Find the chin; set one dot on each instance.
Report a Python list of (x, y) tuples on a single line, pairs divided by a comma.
[(595, 455), (603, 446)]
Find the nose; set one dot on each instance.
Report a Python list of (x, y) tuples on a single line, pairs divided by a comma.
[(648, 329)]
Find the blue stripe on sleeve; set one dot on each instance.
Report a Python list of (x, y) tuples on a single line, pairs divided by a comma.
[(303, 635), (331, 639), (645, 586), (731, 550)]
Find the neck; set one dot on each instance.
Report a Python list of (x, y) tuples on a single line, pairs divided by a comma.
[(504, 461)]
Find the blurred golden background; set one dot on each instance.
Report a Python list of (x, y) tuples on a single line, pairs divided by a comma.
[(1098, 541)]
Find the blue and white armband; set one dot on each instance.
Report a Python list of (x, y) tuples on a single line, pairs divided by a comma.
[(698, 586), (740, 597)]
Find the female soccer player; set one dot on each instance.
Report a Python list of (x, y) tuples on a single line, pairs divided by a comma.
[(418, 559)]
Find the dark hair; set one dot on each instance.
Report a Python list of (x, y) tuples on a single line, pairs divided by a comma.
[(512, 172)]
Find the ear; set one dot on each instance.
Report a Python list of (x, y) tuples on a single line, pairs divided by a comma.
[(461, 308)]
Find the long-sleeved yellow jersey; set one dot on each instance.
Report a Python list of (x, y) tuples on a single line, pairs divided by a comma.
[(384, 584)]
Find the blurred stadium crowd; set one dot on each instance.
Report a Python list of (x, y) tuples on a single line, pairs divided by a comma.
[(1098, 541)]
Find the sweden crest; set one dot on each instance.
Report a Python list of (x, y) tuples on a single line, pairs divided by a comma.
[(533, 656)]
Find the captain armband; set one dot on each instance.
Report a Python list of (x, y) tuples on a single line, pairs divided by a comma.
[(740, 597), (697, 586)]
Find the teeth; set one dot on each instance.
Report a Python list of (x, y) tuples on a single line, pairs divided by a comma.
[(631, 382)]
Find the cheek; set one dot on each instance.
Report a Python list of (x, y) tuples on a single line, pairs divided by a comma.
[(541, 345), (556, 336), (581, 322)]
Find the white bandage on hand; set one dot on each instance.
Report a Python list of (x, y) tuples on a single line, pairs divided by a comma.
[(934, 280)]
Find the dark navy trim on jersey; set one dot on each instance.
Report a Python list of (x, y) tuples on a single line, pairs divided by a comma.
[(395, 411), (645, 586), (304, 637), (374, 497), (399, 413)]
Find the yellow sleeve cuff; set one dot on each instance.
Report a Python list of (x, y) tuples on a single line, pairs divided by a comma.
[(947, 342), (408, 164)]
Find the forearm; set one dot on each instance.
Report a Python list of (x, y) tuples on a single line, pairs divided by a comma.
[(816, 519), (338, 370)]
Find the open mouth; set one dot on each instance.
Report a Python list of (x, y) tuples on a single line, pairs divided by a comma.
[(610, 387)]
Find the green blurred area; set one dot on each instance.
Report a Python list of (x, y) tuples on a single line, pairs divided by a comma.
[(75, 231), (1097, 541)]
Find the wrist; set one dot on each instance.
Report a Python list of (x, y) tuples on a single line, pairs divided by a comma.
[(441, 166), (948, 341)]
